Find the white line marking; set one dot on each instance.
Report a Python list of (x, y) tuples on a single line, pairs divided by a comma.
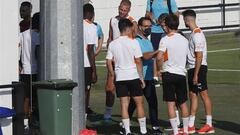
[(224, 70), (224, 50), (101, 65), (214, 70), (101, 61)]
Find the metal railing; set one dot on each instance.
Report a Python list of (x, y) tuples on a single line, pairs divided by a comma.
[(222, 8)]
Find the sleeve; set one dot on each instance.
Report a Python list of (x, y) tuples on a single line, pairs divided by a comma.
[(99, 31), (91, 38), (109, 53), (174, 6), (148, 6), (162, 46), (144, 48), (137, 50), (36, 39), (198, 42)]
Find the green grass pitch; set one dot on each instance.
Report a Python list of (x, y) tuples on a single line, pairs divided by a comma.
[(224, 89)]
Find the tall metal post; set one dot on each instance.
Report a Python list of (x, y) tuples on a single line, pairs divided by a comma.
[(62, 50)]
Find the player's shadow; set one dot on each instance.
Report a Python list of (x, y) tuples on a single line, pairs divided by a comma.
[(227, 126)]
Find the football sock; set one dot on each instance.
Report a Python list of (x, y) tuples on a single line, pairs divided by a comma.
[(108, 112), (173, 122), (142, 124), (178, 119), (191, 121), (209, 120), (126, 124), (185, 124)]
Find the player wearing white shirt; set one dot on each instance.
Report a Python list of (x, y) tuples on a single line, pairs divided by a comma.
[(171, 61), (126, 54), (114, 33), (90, 40), (29, 44), (197, 73)]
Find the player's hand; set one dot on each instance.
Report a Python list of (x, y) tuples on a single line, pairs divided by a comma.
[(19, 69), (94, 77), (143, 85), (195, 80)]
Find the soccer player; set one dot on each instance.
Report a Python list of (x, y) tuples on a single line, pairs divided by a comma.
[(171, 62), (197, 73), (126, 53), (161, 21), (29, 44), (90, 40), (144, 26), (114, 33)]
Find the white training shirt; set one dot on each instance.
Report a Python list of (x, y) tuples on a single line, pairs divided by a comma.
[(90, 38), (123, 51), (114, 24), (197, 43), (175, 48), (29, 40)]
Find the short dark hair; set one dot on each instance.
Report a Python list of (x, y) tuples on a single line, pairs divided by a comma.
[(172, 22), (140, 21), (27, 4), (36, 21), (189, 12), (162, 17), (126, 2), (124, 24), (88, 11)]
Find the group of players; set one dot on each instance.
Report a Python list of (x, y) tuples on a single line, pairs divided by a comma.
[(133, 62)]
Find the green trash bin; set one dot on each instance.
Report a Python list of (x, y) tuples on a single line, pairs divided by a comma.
[(55, 106)]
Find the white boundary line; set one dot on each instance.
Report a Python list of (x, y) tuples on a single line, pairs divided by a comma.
[(214, 70), (101, 63), (224, 70), (224, 50)]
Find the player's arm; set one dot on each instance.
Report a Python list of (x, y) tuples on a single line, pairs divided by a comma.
[(177, 13), (198, 57), (110, 34), (150, 55), (91, 57), (109, 63), (160, 60), (100, 43), (139, 65), (135, 29)]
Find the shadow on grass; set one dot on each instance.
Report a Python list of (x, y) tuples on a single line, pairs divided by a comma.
[(227, 126), (97, 123)]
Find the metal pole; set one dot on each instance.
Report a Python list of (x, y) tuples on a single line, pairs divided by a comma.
[(62, 50), (78, 103)]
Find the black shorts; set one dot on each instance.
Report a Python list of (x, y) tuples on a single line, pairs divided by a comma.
[(129, 88), (202, 79), (27, 80), (88, 77), (174, 88)]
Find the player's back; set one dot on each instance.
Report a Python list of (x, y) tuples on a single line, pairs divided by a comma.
[(176, 53)]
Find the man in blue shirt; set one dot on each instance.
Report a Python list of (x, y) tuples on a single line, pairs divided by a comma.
[(144, 25), (154, 9)]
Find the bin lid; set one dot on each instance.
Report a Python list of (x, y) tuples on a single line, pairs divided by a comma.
[(56, 84)]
